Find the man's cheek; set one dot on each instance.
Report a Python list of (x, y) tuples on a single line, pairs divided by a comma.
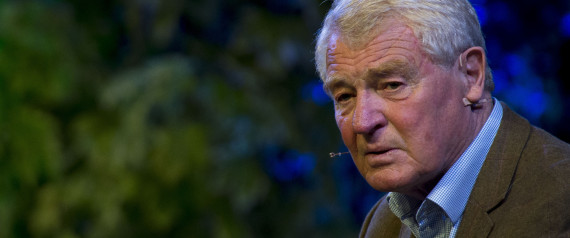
[(341, 122)]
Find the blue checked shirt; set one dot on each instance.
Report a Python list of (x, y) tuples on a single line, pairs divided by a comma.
[(446, 202)]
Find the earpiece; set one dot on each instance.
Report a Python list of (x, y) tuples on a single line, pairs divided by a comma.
[(467, 103)]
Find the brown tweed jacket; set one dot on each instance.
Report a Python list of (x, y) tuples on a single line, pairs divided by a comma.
[(523, 189)]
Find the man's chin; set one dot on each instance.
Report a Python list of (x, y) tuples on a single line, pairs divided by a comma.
[(386, 183)]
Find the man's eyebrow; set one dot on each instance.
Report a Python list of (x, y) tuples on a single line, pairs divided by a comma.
[(393, 68), (333, 82)]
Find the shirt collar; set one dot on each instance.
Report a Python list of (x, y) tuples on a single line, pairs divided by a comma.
[(453, 189)]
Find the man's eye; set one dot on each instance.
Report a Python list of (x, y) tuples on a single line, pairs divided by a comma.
[(343, 97), (393, 85)]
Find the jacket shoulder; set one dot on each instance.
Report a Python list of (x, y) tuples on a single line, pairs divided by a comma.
[(381, 222), (523, 189)]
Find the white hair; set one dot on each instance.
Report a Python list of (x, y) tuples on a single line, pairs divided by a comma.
[(446, 28)]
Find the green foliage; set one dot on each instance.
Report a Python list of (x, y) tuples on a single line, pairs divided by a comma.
[(114, 122)]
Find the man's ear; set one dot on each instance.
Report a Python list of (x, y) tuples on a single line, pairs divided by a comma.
[(473, 66)]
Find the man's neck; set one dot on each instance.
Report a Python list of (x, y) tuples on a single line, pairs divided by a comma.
[(477, 119)]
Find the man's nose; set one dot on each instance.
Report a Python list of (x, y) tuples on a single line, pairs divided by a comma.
[(368, 113)]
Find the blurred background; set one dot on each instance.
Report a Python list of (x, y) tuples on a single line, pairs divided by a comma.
[(205, 118)]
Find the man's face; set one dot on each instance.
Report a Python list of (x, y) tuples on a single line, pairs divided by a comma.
[(400, 115)]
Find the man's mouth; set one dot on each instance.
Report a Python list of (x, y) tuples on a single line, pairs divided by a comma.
[(379, 152), (379, 157)]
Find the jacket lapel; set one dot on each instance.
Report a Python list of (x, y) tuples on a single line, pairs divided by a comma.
[(496, 176)]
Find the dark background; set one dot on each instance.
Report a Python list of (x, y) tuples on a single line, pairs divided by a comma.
[(148, 118)]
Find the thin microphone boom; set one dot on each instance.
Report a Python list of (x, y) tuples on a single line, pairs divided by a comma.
[(339, 154)]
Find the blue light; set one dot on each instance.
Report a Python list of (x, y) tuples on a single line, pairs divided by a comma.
[(481, 13), (515, 64), (290, 165), (536, 105), (308, 163), (319, 96), (565, 25), (530, 101), (516, 94), (500, 78), (314, 91)]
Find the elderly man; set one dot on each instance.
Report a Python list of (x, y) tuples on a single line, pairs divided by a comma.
[(412, 97)]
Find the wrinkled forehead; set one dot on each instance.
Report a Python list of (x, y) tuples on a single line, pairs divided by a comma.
[(394, 42)]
